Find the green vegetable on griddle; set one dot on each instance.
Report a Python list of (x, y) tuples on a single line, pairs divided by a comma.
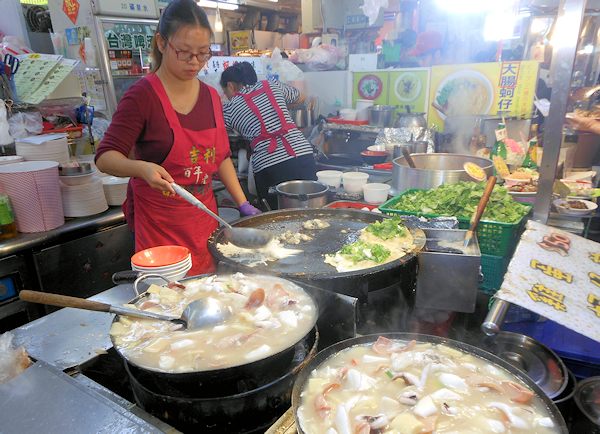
[(387, 229), (361, 251), (460, 200)]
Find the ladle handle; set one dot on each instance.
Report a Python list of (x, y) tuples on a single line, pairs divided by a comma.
[(191, 199), (408, 158), (62, 301), (489, 188)]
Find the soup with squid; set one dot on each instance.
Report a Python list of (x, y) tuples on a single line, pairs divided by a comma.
[(400, 387), (268, 315)]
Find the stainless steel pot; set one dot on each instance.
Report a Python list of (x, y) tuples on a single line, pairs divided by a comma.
[(381, 115), (302, 379), (300, 116), (433, 170), (301, 194), (419, 147), (410, 120)]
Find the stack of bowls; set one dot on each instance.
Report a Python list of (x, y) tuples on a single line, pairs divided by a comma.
[(171, 262), (115, 189), (48, 147)]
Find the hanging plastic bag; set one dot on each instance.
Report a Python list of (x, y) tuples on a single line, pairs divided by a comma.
[(321, 58), (25, 124), (5, 138), (281, 69)]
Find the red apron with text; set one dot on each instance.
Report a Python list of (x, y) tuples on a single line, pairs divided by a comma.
[(272, 136), (162, 219)]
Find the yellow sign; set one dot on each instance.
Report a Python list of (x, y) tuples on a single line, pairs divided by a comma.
[(240, 40), (499, 88)]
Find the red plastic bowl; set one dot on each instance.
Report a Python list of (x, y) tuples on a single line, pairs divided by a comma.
[(374, 157), (160, 256)]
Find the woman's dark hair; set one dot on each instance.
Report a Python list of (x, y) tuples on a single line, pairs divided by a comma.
[(241, 73), (177, 14)]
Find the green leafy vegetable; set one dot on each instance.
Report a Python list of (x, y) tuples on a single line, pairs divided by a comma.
[(387, 228), (461, 200), (361, 251)]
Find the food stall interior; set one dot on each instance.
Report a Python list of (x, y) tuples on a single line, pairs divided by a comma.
[(82, 368)]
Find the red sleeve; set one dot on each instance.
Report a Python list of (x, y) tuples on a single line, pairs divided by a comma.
[(128, 122)]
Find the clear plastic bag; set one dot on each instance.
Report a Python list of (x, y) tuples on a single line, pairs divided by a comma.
[(282, 69), (25, 124), (13, 361)]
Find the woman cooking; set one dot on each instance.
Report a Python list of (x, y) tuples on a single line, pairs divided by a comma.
[(258, 111), (174, 125)]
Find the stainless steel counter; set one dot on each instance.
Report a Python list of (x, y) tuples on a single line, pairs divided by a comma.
[(80, 226)]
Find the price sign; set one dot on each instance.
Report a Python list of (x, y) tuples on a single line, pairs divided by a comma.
[(557, 275)]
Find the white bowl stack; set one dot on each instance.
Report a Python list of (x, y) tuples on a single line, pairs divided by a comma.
[(83, 199), (46, 147), (172, 272), (115, 189)]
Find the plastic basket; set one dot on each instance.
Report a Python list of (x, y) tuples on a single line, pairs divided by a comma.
[(495, 238), (493, 269)]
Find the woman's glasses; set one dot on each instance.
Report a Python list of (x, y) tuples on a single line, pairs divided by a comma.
[(187, 56)]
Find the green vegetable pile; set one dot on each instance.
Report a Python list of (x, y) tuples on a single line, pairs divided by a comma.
[(460, 200), (387, 228), (361, 251)]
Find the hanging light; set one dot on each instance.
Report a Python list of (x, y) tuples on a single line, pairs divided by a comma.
[(229, 5), (218, 21)]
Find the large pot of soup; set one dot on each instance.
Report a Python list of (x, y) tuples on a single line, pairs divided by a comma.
[(253, 346), (412, 383)]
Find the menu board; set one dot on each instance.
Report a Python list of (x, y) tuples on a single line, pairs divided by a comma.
[(370, 85), (218, 64), (557, 275), (499, 88), (406, 88), (409, 89)]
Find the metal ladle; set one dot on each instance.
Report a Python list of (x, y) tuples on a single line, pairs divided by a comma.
[(198, 314), (249, 238)]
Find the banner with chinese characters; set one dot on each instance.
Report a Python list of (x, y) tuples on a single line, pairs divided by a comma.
[(557, 275), (499, 88), (218, 64)]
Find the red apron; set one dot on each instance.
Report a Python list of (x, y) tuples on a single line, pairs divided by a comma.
[(163, 219), (264, 134)]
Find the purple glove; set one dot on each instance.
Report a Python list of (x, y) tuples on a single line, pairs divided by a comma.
[(248, 210)]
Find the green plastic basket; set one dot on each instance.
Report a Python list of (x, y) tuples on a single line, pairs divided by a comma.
[(493, 269), (495, 238)]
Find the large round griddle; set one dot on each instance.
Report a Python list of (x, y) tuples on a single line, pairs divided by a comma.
[(309, 266)]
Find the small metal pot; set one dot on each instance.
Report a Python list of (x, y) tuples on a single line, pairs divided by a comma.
[(300, 194), (415, 147), (587, 417), (381, 115), (410, 120), (300, 117)]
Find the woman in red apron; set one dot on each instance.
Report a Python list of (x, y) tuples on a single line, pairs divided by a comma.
[(258, 111), (175, 125)]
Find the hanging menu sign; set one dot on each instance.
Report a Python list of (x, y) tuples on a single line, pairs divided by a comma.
[(557, 275), (218, 64)]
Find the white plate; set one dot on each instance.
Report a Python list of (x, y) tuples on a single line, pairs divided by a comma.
[(468, 74), (575, 212)]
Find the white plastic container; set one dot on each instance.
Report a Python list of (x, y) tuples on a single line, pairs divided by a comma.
[(354, 181), (348, 114), (376, 192), (362, 112), (332, 178)]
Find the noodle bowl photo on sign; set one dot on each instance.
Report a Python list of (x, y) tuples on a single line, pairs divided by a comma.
[(465, 92)]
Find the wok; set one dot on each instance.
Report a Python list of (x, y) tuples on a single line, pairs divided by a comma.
[(302, 378), (309, 267), (249, 411), (216, 382)]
